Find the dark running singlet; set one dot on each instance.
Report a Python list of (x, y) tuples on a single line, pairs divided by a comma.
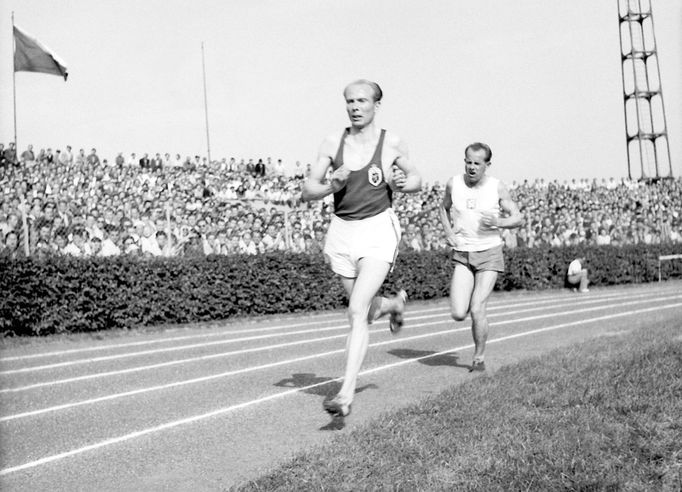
[(366, 193)]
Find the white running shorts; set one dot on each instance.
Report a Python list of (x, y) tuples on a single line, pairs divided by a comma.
[(348, 241)]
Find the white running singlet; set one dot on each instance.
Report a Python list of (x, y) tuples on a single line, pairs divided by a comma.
[(468, 207)]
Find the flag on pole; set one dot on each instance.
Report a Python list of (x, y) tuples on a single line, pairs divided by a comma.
[(32, 56)]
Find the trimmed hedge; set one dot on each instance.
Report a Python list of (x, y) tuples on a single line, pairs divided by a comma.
[(64, 294)]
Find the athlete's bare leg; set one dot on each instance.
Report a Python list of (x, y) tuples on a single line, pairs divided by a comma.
[(483, 286), (461, 289), (381, 306), (469, 293), (361, 291)]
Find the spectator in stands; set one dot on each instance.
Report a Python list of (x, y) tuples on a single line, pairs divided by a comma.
[(145, 162), (66, 157), (95, 246), (148, 244), (246, 244), (603, 237), (259, 168), (12, 249), (10, 155), (42, 250), (11, 223), (110, 245), (28, 156), (60, 240), (630, 211), (79, 245), (279, 168), (130, 247), (156, 163), (93, 158), (192, 246), (81, 158), (299, 171)]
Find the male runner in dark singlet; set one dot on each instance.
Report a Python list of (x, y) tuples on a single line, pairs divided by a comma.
[(368, 164)]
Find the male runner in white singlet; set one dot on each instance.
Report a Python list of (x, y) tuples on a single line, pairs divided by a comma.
[(471, 219), (368, 164)]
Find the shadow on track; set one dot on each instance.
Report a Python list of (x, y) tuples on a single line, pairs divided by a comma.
[(327, 391), (450, 359)]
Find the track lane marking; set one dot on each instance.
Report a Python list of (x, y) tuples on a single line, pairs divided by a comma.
[(212, 377), (491, 307), (105, 358), (268, 347), (222, 411)]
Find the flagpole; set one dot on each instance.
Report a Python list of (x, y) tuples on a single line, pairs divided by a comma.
[(14, 88), (208, 140)]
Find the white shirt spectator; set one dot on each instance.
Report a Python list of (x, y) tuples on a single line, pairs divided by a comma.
[(73, 250), (148, 245), (109, 248)]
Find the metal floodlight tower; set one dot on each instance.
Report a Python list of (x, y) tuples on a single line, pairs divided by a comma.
[(645, 124)]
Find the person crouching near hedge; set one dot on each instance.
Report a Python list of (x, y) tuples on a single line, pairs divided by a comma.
[(577, 275)]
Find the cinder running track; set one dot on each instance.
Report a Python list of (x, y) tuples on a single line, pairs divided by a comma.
[(208, 408)]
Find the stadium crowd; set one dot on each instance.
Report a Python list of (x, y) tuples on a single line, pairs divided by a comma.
[(76, 203)]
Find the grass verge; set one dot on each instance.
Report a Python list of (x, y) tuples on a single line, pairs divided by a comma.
[(603, 415)]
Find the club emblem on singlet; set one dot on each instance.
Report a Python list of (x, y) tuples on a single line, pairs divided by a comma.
[(471, 203), (374, 175)]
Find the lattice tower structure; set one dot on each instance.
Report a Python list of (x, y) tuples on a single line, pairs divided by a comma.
[(646, 133)]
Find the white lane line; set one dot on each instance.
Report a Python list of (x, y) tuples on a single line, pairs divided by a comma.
[(316, 321), (212, 377), (90, 360), (410, 326), (225, 332), (224, 410)]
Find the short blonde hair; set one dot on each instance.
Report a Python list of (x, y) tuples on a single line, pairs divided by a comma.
[(378, 93)]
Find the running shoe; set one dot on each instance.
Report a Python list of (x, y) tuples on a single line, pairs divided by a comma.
[(477, 366), (396, 320), (336, 407)]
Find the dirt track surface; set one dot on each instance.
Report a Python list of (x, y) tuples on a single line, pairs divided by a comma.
[(207, 408)]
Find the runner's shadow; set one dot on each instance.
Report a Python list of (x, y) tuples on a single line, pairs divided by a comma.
[(448, 359), (325, 386)]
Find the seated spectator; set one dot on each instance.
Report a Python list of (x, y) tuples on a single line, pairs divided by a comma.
[(192, 246), (11, 223), (576, 275), (130, 247), (147, 241), (79, 245), (297, 243), (210, 243), (603, 237), (42, 250), (257, 237), (61, 239), (110, 247), (311, 246), (165, 245), (95, 246), (246, 244), (273, 240), (12, 249)]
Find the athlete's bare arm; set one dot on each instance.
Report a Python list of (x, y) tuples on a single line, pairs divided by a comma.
[(513, 216), (445, 215), (316, 186), (406, 178)]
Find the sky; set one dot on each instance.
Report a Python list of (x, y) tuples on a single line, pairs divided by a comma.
[(539, 81)]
